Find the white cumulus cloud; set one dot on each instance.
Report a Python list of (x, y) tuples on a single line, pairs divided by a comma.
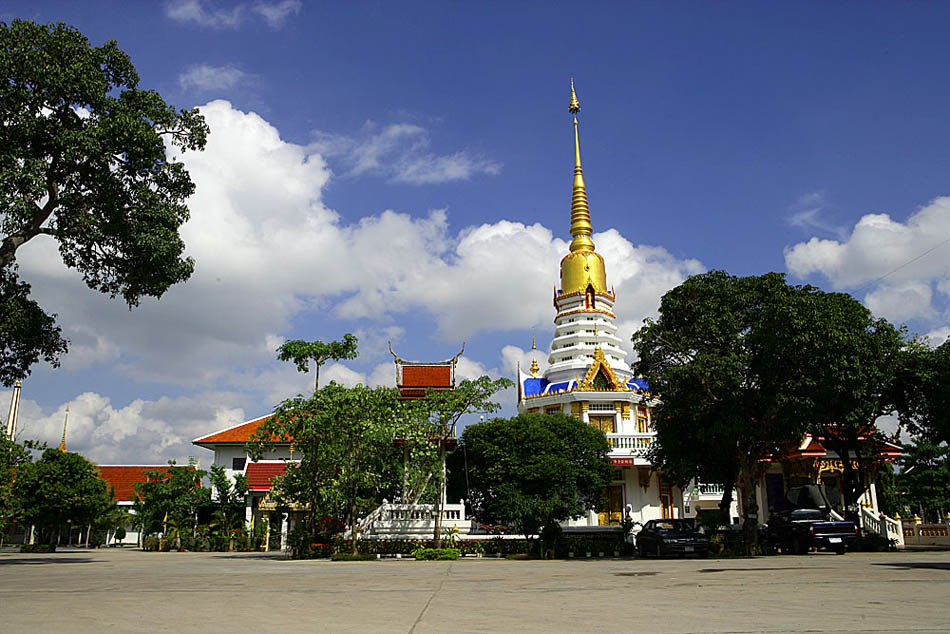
[(906, 263), (207, 78)]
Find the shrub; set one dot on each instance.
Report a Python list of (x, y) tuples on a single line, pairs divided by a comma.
[(436, 554), (352, 557), (37, 548), (150, 543), (520, 557), (872, 543), (470, 547)]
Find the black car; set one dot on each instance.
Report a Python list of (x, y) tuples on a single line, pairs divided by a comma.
[(672, 537)]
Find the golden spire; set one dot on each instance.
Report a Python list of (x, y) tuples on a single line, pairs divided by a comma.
[(62, 443), (580, 212), (534, 361), (582, 268)]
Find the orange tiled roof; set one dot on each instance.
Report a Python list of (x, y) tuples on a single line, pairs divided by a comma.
[(238, 434), (125, 477)]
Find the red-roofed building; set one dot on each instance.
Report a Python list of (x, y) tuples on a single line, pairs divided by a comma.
[(230, 452), (121, 479)]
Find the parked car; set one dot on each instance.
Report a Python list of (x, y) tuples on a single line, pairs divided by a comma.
[(672, 537), (800, 530), (805, 522)]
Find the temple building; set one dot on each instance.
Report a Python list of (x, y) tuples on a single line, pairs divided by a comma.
[(587, 375)]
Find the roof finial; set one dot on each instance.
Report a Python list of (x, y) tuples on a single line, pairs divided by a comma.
[(580, 212), (62, 443), (575, 106), (534, 346)]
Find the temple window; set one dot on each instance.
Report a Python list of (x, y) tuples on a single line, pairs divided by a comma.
[(552, 410), (603, 423), (237, 464)]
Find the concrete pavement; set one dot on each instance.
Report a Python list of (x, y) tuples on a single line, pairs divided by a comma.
[(132, 591)]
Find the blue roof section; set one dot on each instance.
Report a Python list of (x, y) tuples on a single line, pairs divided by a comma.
[(639, 384), (533, 386), (536, 386)]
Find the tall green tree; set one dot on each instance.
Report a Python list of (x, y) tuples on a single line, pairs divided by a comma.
[(302, 353), (229, 498), (60, 489), (84, 161), (171, 495), (852, 364), (444, 409), (346, 441), (535, 470), (924, 391), (727, 357), (923, 483)]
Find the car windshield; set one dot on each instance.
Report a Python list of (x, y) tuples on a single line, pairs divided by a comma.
[(806, 514), (675, 525)]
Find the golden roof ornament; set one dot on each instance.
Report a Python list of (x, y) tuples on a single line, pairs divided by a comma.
[(575, 106), (62, 443), (534, 368)]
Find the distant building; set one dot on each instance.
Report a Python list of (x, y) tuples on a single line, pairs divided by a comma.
[(122, 480)]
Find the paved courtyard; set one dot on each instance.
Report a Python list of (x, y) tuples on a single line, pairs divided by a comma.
[(132, 591)]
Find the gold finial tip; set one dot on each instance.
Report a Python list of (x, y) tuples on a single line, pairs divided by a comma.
[(575, 105)]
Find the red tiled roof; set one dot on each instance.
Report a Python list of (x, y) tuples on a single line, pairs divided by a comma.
[(125, 477), (238, 434), (426, 376), (260, 474)]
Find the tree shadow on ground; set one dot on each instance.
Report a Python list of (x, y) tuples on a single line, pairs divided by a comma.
[(910, 565), (34, 561)]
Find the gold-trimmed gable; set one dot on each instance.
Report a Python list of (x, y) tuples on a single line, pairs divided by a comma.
[(600, 376)]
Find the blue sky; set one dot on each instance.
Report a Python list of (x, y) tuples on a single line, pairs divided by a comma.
[(402, 171)]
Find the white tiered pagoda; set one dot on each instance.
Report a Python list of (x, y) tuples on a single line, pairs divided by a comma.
[(587, 375)]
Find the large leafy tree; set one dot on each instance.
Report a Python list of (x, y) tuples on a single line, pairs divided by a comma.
[(302, 353), (83, 161), (346, 441), (853, 361), (59, 489), (535, 470), (444, 410), (924, 391), (727, 357)]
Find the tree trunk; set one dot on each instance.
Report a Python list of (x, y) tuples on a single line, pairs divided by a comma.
[(440, 491), (316, 379), (750, 521), (725, 504)]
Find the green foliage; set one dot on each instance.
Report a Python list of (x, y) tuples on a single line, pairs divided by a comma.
[(303, 352), (852, 364), (924, 480), (168, 501), (746, 365), (345, 437), (436, 554), (58, 489), (925, 391), (38, 548), (352, 557), (444, 409), (535, 469), (83, 160), (26, 331), (872, 543), (13, 457)]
